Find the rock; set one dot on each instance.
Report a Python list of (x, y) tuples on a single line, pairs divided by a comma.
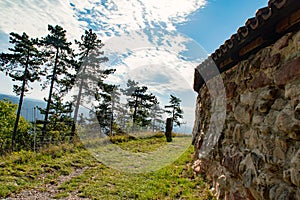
[(287, 175), (258, 161), (263, 106), (248, 98), (230, 90), (286, 123), (257, 155), (237, 134), (297, 112), (295, 176), (248, 177), (279, 104), (251, 139), (278, 156), (280, 192), (242, 115), (257, 119), (270, 118), (292, 89), (271, 61), (260, 80), (232, 162), (268, 93), (282, 42), (288, 72), (295, 170), (223, 184)]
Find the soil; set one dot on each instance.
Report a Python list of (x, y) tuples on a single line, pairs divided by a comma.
[(48, 191)]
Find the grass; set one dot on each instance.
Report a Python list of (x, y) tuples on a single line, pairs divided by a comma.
[(24, 170), (27, 169)]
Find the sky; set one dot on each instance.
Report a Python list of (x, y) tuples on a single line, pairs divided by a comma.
[(157, 43)]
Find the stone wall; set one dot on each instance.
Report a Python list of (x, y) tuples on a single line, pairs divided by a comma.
[(257, 155)]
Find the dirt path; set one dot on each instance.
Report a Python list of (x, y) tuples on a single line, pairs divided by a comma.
[(48, 191)]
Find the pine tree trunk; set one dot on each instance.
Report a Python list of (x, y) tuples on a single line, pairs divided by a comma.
[(77, 103), (135, 113), (76, 111), (13, 140), (49, 98)]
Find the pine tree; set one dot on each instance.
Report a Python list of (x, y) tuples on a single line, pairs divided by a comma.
[(24, 65), (60, 121), (61, 63), (174, 109), (122, 116), (104, 110), (140, 102), (156, 115), (90, 71)]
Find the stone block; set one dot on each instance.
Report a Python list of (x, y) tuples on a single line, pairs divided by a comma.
[(281, 191), (279, 104), (241, 114), (257, 119), (282, 42), (292, 89), (237, 134), (248, 177), (288, 124), (295, 176), (271, 61), (232, 162), (230, 90), (268, 93), (288, 72), (248, 98), (278, 156), (257, 160), (297, 112), (287, 176), (259, 81), (263, 106)]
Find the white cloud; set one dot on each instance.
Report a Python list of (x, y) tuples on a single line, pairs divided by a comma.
[(33, 16), (125, 15), (152, 50), (111, 17)]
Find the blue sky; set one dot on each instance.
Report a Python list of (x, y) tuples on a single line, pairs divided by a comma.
[(143, 38), (215, 23)]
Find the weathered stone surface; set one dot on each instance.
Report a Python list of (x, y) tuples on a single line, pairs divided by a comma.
[(271, 61), (293, 90), (288, 72), (295, 176), (282, 42), (257, 155), (297, 112), (248, 98), (230, 90), (279, 104), (257, 119), (295, 170), (268, 93), (263, 106), (242, 114), (232, 162), (251, 139), (237, 134), (286, 123), (260, 80)]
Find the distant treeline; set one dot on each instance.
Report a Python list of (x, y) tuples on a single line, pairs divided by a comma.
[(59, 67)]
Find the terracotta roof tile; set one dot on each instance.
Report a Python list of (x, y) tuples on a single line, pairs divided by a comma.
[(268, 25)]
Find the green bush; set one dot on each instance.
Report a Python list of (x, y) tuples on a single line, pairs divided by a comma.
[(7, 121)]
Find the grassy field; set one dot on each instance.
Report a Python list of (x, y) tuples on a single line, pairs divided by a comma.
[(54, 169)]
